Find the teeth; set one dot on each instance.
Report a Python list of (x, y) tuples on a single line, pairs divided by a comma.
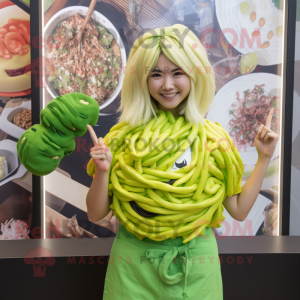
[(169, 96)]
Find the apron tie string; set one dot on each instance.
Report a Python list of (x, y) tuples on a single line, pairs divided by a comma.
[(167, 259)]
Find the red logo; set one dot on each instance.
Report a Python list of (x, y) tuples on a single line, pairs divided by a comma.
[(39, 258)]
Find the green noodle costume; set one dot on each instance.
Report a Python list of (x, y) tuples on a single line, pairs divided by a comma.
[(42, 147), (185, 204)]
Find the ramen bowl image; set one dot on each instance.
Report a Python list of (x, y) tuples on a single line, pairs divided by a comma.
[(15, 69), (98, 71)]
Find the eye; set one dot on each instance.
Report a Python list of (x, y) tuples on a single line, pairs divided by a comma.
[(154, 75), (181, 165), (178, 73)]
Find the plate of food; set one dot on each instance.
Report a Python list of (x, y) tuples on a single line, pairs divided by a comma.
[(242, 105), (98, 70), (15, 69), (253, 26), (9, 163), (15, 121), (10, 167), (14, 168)]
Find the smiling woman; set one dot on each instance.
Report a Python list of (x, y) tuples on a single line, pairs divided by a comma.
[(164, 213), (168, 85), (165, 199)]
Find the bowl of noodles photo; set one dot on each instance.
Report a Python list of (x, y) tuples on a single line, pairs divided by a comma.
[(97, 70)]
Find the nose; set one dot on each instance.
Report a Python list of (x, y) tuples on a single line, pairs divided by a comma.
[(168, 84)]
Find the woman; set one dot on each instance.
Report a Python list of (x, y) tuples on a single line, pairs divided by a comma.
[(165, 247)]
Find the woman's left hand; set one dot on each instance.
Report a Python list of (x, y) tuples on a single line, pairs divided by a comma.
[(266, 139)]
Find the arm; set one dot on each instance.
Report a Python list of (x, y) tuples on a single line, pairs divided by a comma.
[(97, 199), (239, 206)]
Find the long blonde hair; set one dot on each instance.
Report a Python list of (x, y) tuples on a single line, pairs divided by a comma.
[(180, 45)]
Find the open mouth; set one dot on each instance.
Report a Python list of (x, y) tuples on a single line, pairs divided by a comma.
[(18, 72), (143, 212), (169, 96)]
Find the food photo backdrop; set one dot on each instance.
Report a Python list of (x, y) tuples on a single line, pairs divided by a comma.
[(244, 42), (15, 119)]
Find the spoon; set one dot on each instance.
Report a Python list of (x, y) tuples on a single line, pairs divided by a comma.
[(78, 36)]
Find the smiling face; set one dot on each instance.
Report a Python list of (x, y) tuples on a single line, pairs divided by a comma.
[(168, 84)]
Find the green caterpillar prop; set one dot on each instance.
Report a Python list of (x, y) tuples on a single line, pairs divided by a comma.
[(193, 200), (42, 146)]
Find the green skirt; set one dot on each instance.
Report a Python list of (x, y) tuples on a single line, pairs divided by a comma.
[(151, 270)]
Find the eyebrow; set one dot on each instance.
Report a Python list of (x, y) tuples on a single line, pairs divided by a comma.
[(160, 71)]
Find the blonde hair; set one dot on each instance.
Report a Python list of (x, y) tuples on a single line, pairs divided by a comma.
[(180, 45)]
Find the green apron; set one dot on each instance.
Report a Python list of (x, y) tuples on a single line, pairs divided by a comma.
[(152, 270)]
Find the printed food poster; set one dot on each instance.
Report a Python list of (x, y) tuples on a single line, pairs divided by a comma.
[(15, 119), (244, 42)]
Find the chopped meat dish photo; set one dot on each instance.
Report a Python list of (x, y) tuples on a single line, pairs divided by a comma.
[(95, 71), (250, 111), (23, 119)]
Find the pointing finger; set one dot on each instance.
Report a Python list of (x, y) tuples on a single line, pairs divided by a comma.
[(93, 135), (100, 141), (269, 118)]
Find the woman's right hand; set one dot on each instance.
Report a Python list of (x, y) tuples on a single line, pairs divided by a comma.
[(100, 153)]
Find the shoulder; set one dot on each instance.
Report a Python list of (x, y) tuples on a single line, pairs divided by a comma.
[(215, 127), (210, 123)]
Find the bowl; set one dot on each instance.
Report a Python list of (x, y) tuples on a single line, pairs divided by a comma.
[(7, 116), (11, 146), (82, 10), (12, 162)]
